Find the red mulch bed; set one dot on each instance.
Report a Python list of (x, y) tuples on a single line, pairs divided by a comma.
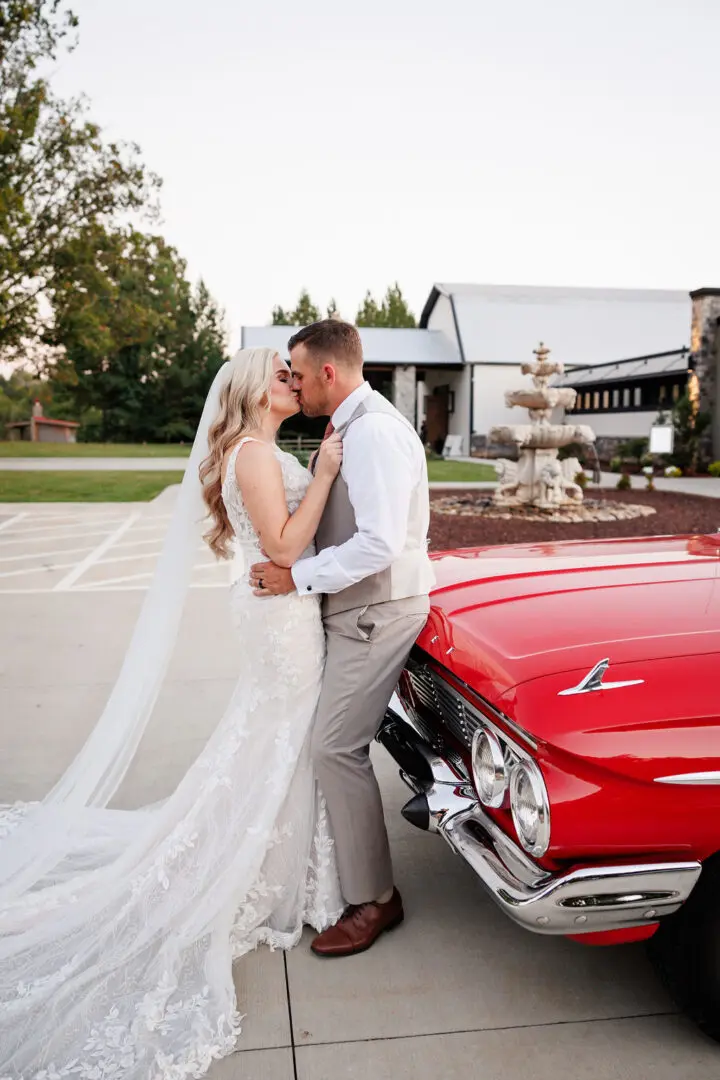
[(674, 514)]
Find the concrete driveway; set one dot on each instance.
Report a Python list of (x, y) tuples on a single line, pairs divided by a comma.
[(458, 991)]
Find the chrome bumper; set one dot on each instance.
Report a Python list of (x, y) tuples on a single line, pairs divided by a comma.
[(581, 901)]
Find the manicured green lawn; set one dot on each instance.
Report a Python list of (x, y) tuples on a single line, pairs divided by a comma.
[(84, 486), (461, 471), (29, 449)]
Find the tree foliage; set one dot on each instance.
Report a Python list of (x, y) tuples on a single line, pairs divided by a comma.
[(392, 311), (132, 340), (304, 312), (690, 425), (58, 177)]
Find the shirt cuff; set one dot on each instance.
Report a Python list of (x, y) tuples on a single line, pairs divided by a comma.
[(302, 574)]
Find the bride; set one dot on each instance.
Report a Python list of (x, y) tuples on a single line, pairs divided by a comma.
[(118, 928)]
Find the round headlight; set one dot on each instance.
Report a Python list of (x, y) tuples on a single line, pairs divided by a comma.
[(530, 808), (489, 770)]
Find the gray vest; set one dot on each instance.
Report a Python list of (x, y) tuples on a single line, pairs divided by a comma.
[(411, 574)]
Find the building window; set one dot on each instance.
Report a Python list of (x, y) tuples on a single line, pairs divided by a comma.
[(596, 399), (616, 399), (637, 397), (587, 402), (626, 398), (663, 393), (676, 392), (606, 399)]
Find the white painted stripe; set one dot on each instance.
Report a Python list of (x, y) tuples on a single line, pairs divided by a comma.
[(45, 554), (77, 529), (6, 541), (106, 588), (69, 580), (36, 569), (12, 521), (128, 558), (90, 585)]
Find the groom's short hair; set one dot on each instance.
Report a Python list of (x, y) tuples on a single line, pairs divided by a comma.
[(330, 337)]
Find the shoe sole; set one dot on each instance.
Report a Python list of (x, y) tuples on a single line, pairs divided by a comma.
[(363, 948)]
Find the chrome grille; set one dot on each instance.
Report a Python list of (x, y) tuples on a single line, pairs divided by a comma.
[(435, 694)]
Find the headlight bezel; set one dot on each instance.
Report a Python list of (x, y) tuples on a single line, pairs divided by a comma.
[(500, 786), (529, 769)]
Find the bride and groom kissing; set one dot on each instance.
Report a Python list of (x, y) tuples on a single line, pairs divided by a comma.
[(118, 928)]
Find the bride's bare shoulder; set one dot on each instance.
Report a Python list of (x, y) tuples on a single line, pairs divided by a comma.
[(254, 461)]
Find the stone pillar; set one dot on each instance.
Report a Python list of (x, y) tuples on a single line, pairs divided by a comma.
[(404, 390), (705, 349)]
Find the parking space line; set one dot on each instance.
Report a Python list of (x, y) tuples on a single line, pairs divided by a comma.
[(76, 573), (90, 585), (12, 521), (35, 569), (22, 539), (45, 554)]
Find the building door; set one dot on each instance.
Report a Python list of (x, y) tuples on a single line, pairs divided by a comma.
[(437, 412)]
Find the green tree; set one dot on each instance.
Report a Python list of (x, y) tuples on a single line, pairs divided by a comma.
[(304, 312), (689, 425), (57, 175), (183, 383), (393, 311), (369, 312), (132, 340)]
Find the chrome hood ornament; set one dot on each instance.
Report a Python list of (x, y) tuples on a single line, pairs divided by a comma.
[(594, 681)]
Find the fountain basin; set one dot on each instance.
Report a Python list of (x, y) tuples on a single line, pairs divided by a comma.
[(542, 398), (541, 436)]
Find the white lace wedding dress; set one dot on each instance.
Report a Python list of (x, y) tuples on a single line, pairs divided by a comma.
[(118, 963)]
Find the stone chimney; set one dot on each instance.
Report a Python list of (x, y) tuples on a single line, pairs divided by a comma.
[(705, 349), (37, 409)]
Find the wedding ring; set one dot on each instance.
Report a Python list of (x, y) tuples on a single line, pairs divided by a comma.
[(260, 583)]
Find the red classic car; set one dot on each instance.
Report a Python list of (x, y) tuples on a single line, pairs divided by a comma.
[(559, 723)]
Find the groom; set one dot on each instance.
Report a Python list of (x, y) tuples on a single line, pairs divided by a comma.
[(373, 571)]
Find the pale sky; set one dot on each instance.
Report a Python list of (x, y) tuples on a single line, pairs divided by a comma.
[(343, 146)]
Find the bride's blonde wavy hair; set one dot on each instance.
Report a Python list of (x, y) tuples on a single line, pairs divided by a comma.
[(244, 398)]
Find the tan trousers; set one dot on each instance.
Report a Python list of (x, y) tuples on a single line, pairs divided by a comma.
[(366, 652)]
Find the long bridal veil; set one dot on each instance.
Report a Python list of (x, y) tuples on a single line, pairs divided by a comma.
[(116, 926), (42, 834)]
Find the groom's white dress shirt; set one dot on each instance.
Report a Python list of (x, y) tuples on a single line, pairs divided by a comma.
[(383, 462)]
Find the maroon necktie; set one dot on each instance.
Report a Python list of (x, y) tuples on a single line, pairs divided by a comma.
[(328, 432)]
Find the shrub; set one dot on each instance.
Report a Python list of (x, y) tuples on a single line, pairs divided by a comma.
[(634, 449), (714, 469), (616, 464), (672, 470), (623, 483), (581, 479)]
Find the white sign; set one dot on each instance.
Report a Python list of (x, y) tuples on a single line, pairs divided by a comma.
[(661, 439), (453, 446)]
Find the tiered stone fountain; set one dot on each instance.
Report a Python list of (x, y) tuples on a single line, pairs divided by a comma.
[(537, 478), (539, 487)]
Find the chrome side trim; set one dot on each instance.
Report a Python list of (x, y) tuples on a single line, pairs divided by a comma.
[(587, 900), (712, 777), (594, 681)]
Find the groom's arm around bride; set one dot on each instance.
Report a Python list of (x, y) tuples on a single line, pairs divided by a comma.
[(373, 573)]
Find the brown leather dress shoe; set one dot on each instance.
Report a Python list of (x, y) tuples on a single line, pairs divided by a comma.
[(359, 928)]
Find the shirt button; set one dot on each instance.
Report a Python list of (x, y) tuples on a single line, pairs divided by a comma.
[(309, 588)]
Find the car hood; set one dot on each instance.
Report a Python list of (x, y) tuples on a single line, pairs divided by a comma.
[(503, 616)]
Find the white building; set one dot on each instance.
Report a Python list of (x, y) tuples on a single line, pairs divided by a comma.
[(451, 373)]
